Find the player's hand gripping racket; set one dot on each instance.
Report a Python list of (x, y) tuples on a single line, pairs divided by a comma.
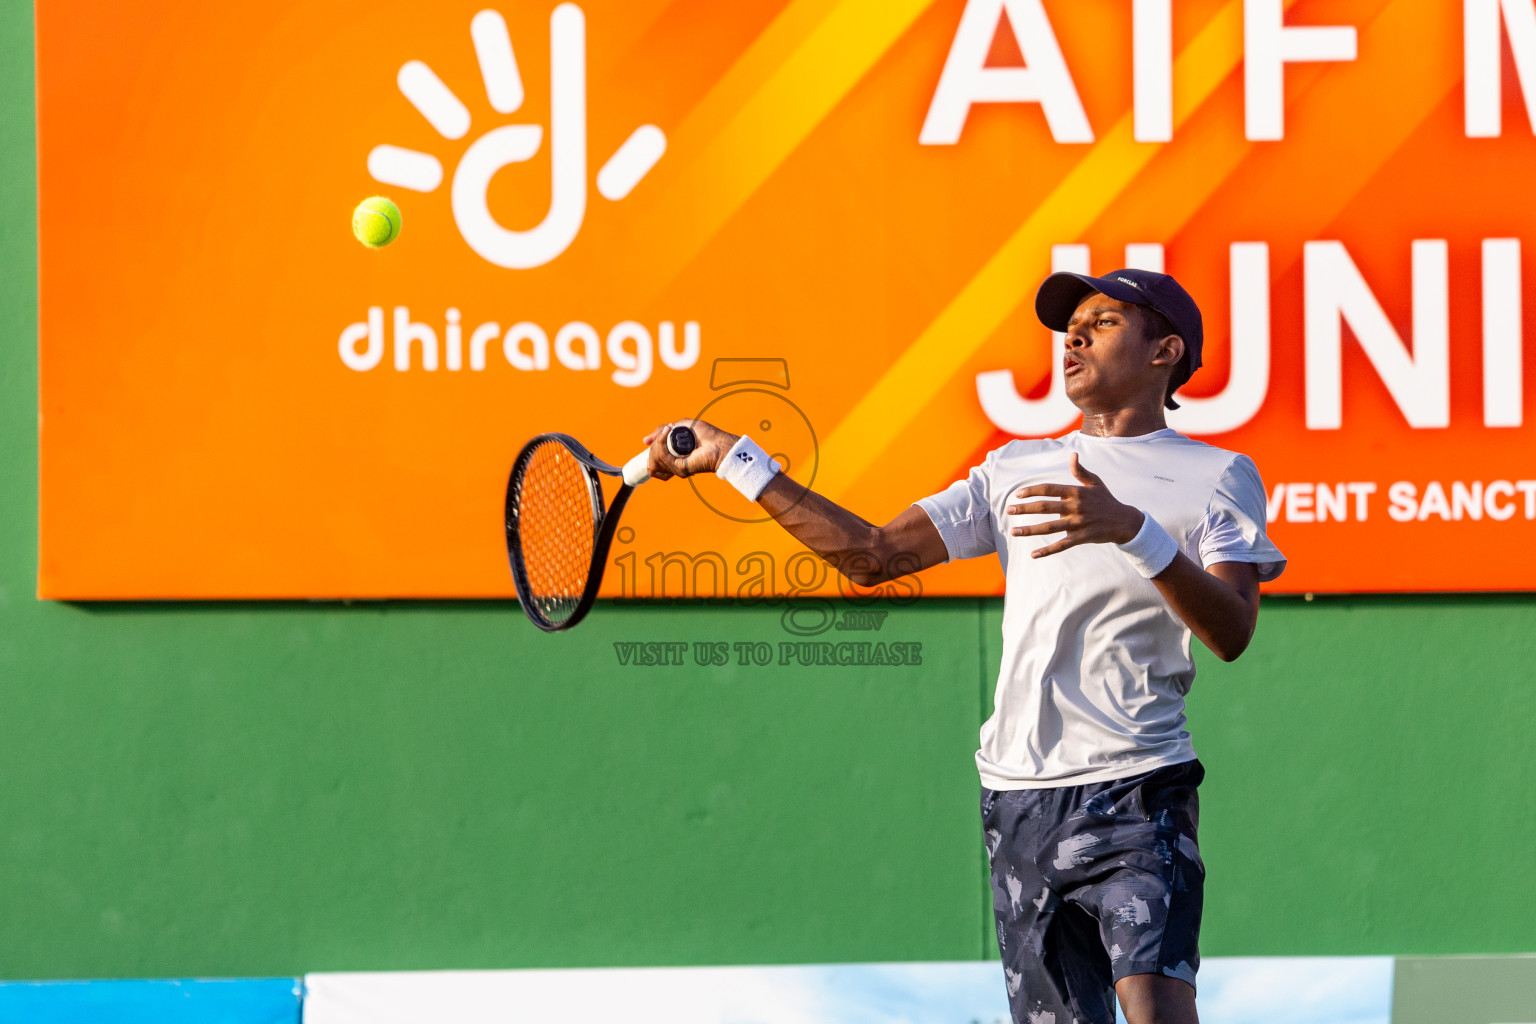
[(557, 532)]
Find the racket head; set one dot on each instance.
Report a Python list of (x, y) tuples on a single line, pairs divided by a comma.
[(554, 517)]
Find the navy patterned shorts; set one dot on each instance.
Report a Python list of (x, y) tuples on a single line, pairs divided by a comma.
[(1091, 884)]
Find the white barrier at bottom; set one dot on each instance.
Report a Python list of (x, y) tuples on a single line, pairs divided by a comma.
[(1241, 990)]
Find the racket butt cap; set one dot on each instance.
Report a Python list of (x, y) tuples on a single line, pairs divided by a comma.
[(682, 442)]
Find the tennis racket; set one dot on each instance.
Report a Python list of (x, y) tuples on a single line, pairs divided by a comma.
[(558, 534)]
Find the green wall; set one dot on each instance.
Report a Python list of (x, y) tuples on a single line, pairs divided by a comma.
[(268, 789)]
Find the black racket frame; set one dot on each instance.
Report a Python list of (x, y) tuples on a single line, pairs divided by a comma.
[(604, 524)]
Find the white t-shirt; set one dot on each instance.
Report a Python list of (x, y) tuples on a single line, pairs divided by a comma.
[(1095, 662)]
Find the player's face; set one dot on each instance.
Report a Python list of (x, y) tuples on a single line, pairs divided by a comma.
[(1110, 362)]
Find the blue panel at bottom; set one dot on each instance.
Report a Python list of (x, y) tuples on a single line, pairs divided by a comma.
[(217, 1001)]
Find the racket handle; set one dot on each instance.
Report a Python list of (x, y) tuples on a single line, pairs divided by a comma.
[(638, 469), (681, 442)]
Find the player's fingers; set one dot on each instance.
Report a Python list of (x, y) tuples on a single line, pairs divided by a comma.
[(663, 465), (1051, 507), (1061, 525), (1047, 491), (1083, 474), (1068, 541), (708, 445)]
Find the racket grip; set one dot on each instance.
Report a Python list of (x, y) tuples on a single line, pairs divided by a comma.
[(638, 469), (681, 442)]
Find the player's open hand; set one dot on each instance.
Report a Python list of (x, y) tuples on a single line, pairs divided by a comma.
[(1088, 514), (714, 443)]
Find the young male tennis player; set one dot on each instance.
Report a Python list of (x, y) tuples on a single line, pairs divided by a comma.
[(1118, 541)]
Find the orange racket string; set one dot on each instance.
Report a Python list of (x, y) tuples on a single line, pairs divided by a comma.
[(556, 528)]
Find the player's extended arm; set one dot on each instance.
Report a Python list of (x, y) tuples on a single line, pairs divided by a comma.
[(1220, 605), (865, 553)]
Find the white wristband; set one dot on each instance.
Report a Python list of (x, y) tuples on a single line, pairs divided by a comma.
[(747, 468), (1152, 549)]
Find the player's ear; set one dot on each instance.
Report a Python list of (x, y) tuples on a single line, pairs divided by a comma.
[(1169, 352)]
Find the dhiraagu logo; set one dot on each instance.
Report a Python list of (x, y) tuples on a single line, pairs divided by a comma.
[(515, 143), (629, 349)]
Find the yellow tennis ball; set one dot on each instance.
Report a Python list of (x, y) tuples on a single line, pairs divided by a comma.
[(376, 222)]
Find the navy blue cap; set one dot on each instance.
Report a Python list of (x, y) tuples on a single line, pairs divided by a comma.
[(1061, 294)]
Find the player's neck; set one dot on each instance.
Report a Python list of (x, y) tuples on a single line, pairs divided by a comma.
[(1131, 421)]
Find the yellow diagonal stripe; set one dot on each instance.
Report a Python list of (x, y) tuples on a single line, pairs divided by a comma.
[(832, 50), (748, 73), (987, 299)]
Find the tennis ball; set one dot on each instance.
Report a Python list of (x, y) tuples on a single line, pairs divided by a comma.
[(376, 222)]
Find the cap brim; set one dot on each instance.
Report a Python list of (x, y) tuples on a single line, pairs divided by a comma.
[(1061, 294)]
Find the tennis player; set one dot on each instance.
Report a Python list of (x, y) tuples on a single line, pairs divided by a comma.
[(1118, 541)]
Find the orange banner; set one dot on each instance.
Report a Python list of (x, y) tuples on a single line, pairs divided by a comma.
[(818, 221)]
